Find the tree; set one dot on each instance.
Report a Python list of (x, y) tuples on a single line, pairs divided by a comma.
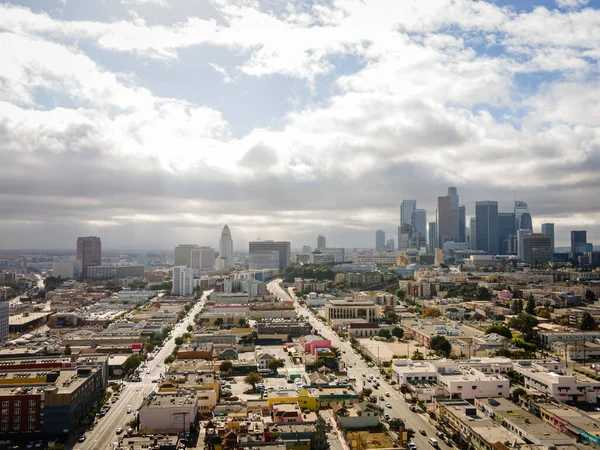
[(242, 323), (517, 306), (218, 322), (57, 446), (590, 296), (483, 293), (384, 334), (400, 294), (169, 359), (525, 323), (190, 328), (366, 393), (132, 363), (587, 322), (530, 306), (252, 379), (398, 332), (499, 329), (67, 350), (275, 364), (336, 351), (226, 367), (431, 312), (517, 393), (178, 340), (417, 355), (396, 424), (440, 345)]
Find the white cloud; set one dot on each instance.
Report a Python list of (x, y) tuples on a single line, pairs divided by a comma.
[(226, 77), (571, 3)]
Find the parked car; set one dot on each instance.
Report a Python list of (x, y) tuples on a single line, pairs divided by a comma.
[(119, 430), (387, 405), (423, 432), (81, 438)]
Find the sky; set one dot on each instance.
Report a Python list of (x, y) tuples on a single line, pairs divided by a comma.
[(155, 122)]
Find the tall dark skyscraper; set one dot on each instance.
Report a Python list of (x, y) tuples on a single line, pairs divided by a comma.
[(486, 218), (525, 222), (462, 224), (548, 228), (380, 240), (448, 218), (89, 252), (577, 238), (506, 228)]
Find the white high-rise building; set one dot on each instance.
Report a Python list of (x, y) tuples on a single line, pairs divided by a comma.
[(225, 259), (183, 281), (63, 268)]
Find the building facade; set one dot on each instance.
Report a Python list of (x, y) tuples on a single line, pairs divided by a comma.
[(283, 247), (89, 252), (183, 281), (486, 216)]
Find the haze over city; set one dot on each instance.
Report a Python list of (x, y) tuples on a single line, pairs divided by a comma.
[(154, 122)]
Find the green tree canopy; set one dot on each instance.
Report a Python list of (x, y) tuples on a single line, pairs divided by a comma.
[(530, 306), (517, 306), (398, 332), (225, 366), (525, 323), (499, 329), (587, 322), (218, 322), (275, 364), (400, 293), (417, 355), (178, 340), (384, 334), (132, 363), (252, 379), (440, 345)]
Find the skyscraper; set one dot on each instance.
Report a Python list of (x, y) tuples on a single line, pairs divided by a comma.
[(187, 255), (525, 222), (406, 209), (283, 247), (183, 281), (486, 217), (506, 228), (432, 237), (537, 248), (225, 259), (380, 240), (578, 238), (89, 252), (448, 218), (520, 242), (419, 228), (548, 228), (520, 208), (321, 242), (389, 246), (473, 233), (462, 224)]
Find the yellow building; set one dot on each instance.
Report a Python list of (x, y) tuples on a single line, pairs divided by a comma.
[(303, 398)]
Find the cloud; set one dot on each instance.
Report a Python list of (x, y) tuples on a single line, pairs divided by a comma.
[(571, 3), (435, 98)]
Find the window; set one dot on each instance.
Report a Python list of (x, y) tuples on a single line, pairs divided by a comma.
[(499, 394), (500, 386), (16, 418), (5, 404), (459, 387), (16, 427), (31, 402), (5, 412), (4, 427), (32, 426), (31, 410), (31, 418), (17, 403), (17, 411), (5, 420), (473, 387)]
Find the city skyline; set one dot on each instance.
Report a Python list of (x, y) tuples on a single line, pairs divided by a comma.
[(154, 123)]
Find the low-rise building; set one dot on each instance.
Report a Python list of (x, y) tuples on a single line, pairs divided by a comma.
[(363, 330), (359, 416), (168, 412), (350, 310)]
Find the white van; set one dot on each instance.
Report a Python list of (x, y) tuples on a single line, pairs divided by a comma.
[(433, 442)]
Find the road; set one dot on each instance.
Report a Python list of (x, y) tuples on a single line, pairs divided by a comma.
[(400, 408), (104, 433)]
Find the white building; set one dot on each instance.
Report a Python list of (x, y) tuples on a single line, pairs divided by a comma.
[(183, 281), (225, 260), (169, 412), (351, 310), (63, 268), (387, 259), (551, 378)]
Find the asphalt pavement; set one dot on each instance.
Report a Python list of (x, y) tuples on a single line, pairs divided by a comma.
[(400, 408), (104, 436)]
